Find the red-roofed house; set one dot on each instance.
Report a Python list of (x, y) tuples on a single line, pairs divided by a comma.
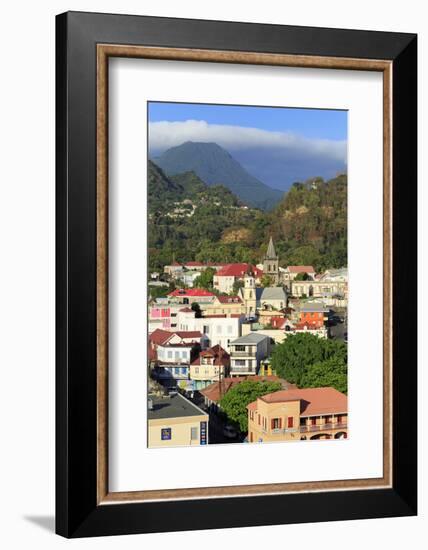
[(209, 366), (225, 278), (292, 415), (190, 295)]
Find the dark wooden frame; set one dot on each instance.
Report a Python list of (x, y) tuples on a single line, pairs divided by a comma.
[(84, 42)]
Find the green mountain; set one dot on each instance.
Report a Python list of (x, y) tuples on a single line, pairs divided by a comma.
[(214, 165), (189, 220)]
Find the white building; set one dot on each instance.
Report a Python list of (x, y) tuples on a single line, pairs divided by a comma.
[(246, 353), (218, 329)]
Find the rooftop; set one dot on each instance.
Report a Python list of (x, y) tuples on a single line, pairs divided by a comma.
[(251, 338), (313, 401), (174, 406), (190, 292), (273, 293), (229, 299), (212, 392), (301, 269), (313, 307), (238, 270)]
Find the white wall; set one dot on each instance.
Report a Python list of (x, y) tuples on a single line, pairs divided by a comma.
[(27, 269)]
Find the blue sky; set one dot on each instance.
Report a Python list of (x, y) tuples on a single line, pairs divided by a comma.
[(277, 145)]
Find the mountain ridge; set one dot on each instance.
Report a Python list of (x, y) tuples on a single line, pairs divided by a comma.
[(215, 165)]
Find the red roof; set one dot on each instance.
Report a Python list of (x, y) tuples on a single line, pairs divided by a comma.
[(188, 333), (160, 336), (277, 322), (221, 357), (301, 269), (229, 299), (238, 270), (194, 292), (186, 310), (313, 401)]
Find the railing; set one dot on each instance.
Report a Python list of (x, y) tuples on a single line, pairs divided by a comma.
[(242, 353), (242, 369), (321, 427)]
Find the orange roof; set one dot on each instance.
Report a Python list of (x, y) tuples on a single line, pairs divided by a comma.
[(313, 401), (212, 392), (229, 299), (301, 269)]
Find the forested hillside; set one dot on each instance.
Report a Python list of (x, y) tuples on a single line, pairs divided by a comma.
[(189, 220)]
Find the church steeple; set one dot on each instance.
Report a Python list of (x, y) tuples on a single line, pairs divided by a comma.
[(271, 254), (271, 263)]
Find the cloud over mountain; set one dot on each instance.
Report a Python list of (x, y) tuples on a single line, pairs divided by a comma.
[(276, 158)]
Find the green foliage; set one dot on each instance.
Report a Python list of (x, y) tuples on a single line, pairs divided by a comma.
[(266, 281), (237, 285), (331, 372), (302, 277), (234, 403), (309, 361), (309, 225), (197, 309), (205, 279)]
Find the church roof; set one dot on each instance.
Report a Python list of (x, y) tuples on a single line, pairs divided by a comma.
[(271, 254)]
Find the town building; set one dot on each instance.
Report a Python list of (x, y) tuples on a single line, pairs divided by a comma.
[(191, 295), (290, 273), (273, 298), (225, 305), (293, 415), (174, 421), (226, 277), (246, 353), (211, 365), (271, 264), (312, 315), (217, 329), (171, 353)]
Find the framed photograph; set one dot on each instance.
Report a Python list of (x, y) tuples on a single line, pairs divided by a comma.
[(236, 274)]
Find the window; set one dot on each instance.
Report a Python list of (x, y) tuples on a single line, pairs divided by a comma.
[(177, 371), (290, 422), (169, 354), (276, 423), (239, 362), (313, 421), (206, 329), (229, 329), (194, 434), (166, 434), (218, 329), (183, 370), (239, 348), (196, 370)]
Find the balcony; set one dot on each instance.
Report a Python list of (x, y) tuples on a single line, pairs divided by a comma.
[(242, 370), (248, 353), (322, 427)]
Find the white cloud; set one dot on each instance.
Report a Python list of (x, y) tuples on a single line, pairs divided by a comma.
[(165, 134)]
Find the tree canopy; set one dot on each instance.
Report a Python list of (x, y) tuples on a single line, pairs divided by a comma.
[(311, 362), (234, 403)]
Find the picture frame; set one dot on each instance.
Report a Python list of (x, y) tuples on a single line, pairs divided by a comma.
[(84, 44)]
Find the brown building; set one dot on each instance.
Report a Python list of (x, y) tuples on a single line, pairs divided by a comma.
[(292, 415)]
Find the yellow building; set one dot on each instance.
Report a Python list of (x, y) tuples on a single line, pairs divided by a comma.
[(293, 415), (174, 421), (225, 305)]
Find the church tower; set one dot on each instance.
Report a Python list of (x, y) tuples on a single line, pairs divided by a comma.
[(249, 293), (271, 264)]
